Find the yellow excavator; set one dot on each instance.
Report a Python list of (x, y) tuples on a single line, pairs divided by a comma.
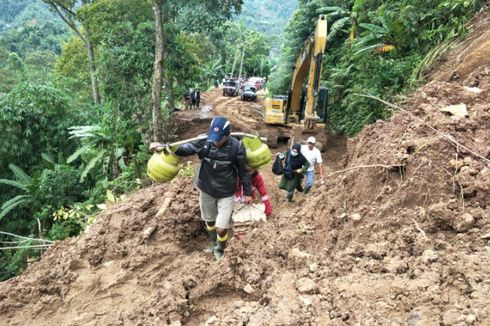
[(296, 114)]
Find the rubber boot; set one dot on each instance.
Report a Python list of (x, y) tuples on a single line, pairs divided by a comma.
[(213, 236), (219, 251), (289, 197), (307, 190)]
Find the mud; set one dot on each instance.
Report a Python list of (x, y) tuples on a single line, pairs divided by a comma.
[(406, 245)]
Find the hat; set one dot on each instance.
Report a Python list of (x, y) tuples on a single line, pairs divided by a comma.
[(311, 140), (220, 127)]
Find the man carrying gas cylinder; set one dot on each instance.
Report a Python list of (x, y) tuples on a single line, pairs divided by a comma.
[(223, 160)]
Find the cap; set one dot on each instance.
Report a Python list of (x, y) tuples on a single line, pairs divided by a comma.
[(220, 127), (311, 140)]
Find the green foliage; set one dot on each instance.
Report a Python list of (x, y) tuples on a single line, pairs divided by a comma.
[(376, 47), (34, 37), (70, 220), (33, 117), (72, 70)]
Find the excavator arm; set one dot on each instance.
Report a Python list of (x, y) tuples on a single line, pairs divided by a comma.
[(309, 61), (285, 112)]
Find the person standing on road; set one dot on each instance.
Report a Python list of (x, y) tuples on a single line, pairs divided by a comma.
[(314, 157), (193, 99), (295, 165), (223, 160), (198, 98)]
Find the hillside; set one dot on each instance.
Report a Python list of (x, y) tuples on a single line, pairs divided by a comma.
[(400, 235), (19, 13), (268, 17)]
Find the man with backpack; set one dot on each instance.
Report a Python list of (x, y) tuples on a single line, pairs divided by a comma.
[(295, 165), (223, 160)]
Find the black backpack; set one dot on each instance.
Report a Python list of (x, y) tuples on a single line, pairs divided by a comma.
[(277, 167), (288, 170), (235, 146)]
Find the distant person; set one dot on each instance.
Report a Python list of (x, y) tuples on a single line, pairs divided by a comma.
[(193, 99), (314, 157), (295, 165), (216, 83), (198, 98), (186, 97)]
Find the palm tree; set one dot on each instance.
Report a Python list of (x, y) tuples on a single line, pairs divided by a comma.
[(22, 182), (99, 147), (346, 17), (212, 70)]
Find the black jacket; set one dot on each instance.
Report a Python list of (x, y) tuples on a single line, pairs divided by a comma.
[(219, 171)]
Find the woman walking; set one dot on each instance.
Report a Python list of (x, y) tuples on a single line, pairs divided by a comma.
[(295, 165)]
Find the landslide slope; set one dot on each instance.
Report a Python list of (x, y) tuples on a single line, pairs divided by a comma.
[(406, 245)]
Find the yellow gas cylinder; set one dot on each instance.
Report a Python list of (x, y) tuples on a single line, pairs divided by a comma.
[(163, 166), (258, 153)]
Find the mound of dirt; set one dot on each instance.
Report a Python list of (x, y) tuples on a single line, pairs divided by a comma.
[(405, 243)]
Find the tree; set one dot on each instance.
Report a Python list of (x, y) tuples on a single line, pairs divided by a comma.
[(65, 9), (156, 91)]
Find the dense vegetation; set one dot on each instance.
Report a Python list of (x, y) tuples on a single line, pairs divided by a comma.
[(76, 80), (81, 86), (376, 47)]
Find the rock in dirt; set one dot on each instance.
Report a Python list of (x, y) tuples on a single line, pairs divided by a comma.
[(470, 319), (176, 323), (356, 217), (474, 90), (306, 285), (485, 236), (298, 258), (248, 289), (422, 316), (459, 110), (429, 256), (212, 321), (452, 317), (306, 300), (464, 223), (148, 232), (456, 164)]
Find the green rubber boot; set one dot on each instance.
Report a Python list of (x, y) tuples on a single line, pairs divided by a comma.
[(219, 251), (213, 236)]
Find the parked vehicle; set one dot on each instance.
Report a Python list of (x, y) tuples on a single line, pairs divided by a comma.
[(258, 82), (230, 87), (249, 93)]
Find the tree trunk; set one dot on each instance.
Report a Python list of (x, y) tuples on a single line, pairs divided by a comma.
[(156, 93), (93, 76), (69, 19), (169, 84)]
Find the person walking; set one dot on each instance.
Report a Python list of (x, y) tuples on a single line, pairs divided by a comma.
[(314, 157), (223, 160), (295, 165)]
